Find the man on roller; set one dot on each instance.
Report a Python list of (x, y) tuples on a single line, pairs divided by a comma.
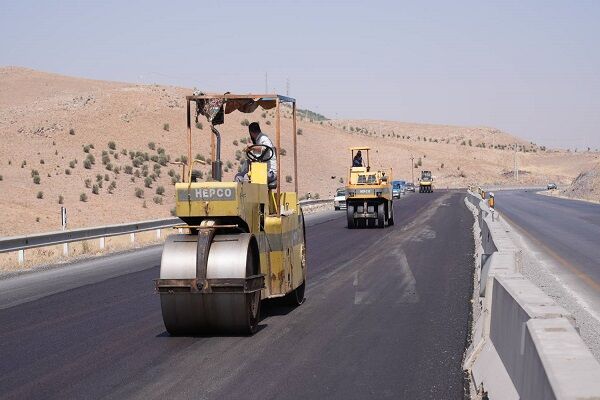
[(259, 138)]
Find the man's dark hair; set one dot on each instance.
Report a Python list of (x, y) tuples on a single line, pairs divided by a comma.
[(254, 127)]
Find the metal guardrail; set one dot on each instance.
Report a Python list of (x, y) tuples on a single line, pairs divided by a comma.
[(20, 243), (16, 243)]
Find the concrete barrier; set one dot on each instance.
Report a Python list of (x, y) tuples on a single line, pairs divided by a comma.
[(524, 345)]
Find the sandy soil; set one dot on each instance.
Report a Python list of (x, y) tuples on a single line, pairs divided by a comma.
[(48, 120)]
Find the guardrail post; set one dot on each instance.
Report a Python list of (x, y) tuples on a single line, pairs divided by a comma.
[(65, 249), (158, 234), (132, 237), (102, 243), (21, 256)]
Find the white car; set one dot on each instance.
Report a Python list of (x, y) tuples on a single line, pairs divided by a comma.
[(339, 201)]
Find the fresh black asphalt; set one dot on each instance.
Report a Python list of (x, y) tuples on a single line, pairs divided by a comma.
[(386, 316)]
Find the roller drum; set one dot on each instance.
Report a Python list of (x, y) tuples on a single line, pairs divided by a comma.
[(219, 310)]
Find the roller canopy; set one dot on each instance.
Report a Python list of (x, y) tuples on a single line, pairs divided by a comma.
[(215, 108)]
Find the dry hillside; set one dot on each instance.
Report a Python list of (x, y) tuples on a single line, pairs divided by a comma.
[(586, 186), (51, 124)]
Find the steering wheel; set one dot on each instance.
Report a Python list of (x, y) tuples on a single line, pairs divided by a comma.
[(266, 152)]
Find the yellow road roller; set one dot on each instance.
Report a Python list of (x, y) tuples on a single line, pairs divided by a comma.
[(426, 182), (369, 201), (244, 240)]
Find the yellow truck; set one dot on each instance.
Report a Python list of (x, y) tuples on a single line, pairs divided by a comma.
[(244, 240), (369, 200)]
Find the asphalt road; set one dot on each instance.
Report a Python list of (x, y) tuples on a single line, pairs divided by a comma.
[(568, 230), (386, 316)]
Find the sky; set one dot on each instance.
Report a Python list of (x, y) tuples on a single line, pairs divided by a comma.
[(531, 68)]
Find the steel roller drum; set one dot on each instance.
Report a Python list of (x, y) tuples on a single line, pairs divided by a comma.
[(187, 312)]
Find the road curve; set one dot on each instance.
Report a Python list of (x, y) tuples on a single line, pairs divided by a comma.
[(386, 316), (567, 230)]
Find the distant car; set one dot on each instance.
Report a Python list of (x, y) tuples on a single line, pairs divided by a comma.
[(552, 186), (339, 201), (398, 189), (410, 187)]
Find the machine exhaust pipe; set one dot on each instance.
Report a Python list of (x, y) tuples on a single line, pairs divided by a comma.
[(217, 164)]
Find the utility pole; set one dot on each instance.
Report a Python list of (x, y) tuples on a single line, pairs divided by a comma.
[(412, 169), (266, 82), (516, 174)]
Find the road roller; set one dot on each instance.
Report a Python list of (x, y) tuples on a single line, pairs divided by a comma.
[(241, 241), (426, 182), (369, 201)]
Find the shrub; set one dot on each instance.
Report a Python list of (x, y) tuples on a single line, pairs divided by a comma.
[(148, 182), (244, 140), (83, 197), (112, 145), (173, 211), (154, 158), (98, 177), (86, 149), (245, 122), (160, 190), (72, 164), (160, 150), (88, 183), (87, 164), (91, 158), (109, 166), (106, 177), (283, 152), (463, 143), (91, 145), (136, 173), (163, 160), (124, 152), (40, 195), (470, 143), (235, 142), (34, 172), (67, 171), (116, 155), (1, 178), (199, 125), (166, 127), (112, 186), (288, 178), (268, 122), (23, 164), (151, 145), (171, 172), (139, 193), (71, 131), (264, 115), (341, 180), (61, 199), (157, 200), (442, 166), (36, 179), (95, 189), (42, 161), (105, 159)]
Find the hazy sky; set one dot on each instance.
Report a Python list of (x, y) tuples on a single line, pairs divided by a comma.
[(531, 68)]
